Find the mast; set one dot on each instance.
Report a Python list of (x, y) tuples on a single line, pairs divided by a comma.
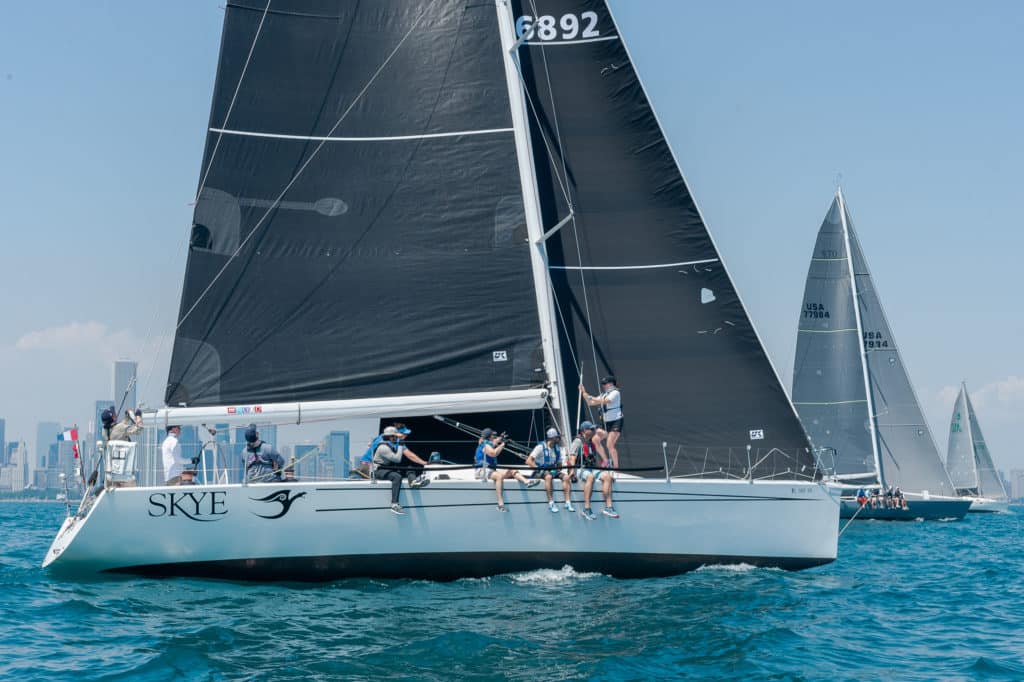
[(534, 224), (860, 338)]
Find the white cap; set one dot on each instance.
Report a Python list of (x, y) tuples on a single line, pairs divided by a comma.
[(552, 433)]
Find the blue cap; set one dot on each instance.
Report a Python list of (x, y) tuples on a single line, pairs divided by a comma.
[(404, 431), (251, 434), (586, 425)]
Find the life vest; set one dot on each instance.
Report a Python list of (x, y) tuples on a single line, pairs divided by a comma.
[(587, 458), (551, 455), (368, 455), (481, 459), (612, 411)]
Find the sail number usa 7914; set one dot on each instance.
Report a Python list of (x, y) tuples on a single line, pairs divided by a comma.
[(566, 27)]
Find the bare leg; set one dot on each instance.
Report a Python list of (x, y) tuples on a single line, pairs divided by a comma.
[(567, 487), (613, 438), (547, 488), (588, 488), (606, 488), (599, 436), (498, 477)]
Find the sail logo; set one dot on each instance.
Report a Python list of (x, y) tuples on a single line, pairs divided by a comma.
[(499, 356), (954, 427), (756, 434), (246, 409), (815, 311), (206, 506), (875, 340)]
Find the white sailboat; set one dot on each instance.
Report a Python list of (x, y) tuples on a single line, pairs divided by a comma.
[(448, 208), (969, 462), (852, 389)]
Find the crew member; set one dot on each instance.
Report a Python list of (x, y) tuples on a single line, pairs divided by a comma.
[(129, 425), (547, 457), (387, 459), (610, 402), (583, 457), (170, 451), (488, 450), (262, 462)]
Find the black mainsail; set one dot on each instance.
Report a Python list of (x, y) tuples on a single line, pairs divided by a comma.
[(850, 384), (641, 289), (359, 227)]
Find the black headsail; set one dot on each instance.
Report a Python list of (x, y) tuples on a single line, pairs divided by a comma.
[(359, 230), (639, 283)]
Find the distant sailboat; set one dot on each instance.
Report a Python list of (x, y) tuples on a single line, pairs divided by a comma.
[(969, 462), (851, 388), (415, 208)]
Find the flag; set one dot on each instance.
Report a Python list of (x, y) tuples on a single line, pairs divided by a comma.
[(70, 434)]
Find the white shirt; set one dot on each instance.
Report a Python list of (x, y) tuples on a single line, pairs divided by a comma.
[(171, 451), (543, 456), (613, 408)]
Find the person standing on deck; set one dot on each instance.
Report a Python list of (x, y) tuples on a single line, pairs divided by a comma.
[(610, 402), (130, 425), (262, 462), (170, 451)]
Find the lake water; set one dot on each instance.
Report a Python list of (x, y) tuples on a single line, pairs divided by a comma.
[(904, 601)]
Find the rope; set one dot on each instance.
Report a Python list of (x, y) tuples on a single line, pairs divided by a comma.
[(302, 168), (850, 520)]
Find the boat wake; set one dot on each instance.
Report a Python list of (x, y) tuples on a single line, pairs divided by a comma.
[(550, 576), (732, 568)]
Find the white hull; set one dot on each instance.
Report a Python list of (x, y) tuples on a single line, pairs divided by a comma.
[(986, 505), (451, 530)]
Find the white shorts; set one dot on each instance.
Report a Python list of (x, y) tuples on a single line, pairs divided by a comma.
[(584, 474)]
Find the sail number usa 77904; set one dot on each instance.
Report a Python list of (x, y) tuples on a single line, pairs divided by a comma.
[(566, 27)]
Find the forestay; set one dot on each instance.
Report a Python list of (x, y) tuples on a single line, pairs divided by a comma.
[(641, 289), (359, 230)]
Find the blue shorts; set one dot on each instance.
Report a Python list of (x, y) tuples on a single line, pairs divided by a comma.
[(584, 474)]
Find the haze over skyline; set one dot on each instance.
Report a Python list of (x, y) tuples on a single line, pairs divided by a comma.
[(918, 107)]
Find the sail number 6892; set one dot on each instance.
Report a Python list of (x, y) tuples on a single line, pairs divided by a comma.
[(566, 27)]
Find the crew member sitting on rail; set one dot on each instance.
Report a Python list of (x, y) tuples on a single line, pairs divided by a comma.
[(364, 469), (583, 457), (547, 457), (488, 450)]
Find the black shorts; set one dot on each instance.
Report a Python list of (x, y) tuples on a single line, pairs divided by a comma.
[(613, 425)]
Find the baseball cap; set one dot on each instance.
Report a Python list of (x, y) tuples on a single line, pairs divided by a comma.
[(552, 433)]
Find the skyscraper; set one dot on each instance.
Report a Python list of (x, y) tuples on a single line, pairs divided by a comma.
[(3, 444), (336, 452), (124, 383), (46, 434)]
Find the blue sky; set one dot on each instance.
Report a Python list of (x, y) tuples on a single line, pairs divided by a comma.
[(918, 105)]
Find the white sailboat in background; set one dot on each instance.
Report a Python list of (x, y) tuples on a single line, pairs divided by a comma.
[(852, 390), (447, 207), (969, 462)]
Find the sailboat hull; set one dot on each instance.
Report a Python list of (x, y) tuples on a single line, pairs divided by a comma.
[(986, 505), (927, 510), (321, 531)]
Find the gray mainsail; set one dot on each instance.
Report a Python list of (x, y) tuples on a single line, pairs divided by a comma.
[(829, 388), (894, 430), (960, 451)]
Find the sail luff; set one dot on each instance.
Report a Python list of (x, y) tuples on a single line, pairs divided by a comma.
[(534, 225), (872, 417)]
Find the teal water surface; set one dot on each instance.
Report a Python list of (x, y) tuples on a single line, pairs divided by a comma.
[(905, 601)]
